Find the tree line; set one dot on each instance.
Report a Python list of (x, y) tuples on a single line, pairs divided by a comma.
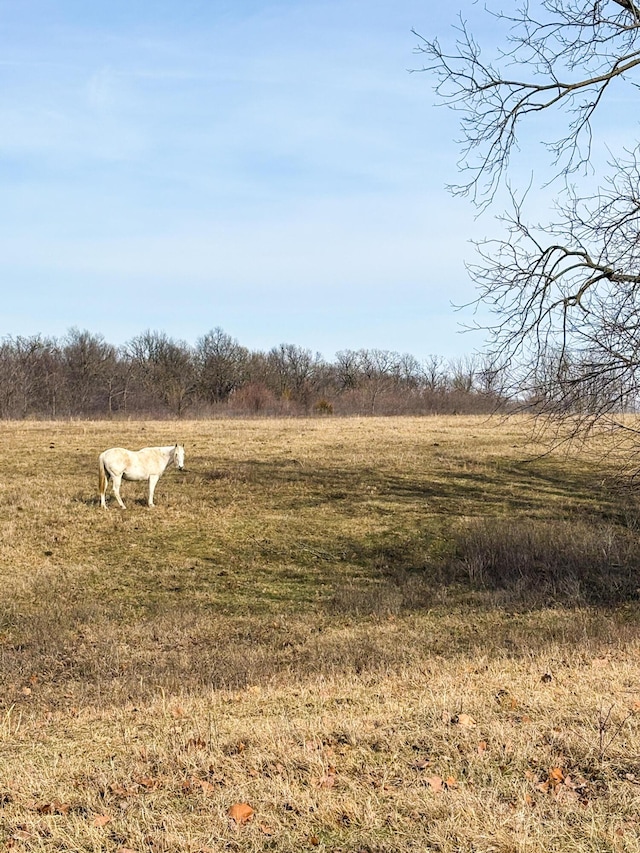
[(153, 375)]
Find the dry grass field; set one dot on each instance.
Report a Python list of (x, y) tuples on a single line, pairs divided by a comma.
[(359, 635)]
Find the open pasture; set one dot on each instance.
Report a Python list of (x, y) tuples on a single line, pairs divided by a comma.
[(381, 634)]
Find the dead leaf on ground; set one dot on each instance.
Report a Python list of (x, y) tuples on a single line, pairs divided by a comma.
[(561, 786), (436, 783), (241, 813), (556, 776), (120, 791), (102, 819), (54, 807), (147, 782), (21, 834), (465, 721), (329, 778)]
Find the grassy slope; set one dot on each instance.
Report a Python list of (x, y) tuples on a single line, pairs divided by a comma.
[(313, 620)]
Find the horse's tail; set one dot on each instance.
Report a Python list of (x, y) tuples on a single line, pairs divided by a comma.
[(102, 476)]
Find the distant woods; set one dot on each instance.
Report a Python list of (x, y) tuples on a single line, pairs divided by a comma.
[(153, 375)]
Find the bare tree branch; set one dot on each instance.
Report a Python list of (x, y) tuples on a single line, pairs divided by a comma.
[(571, 58), (564, 296)]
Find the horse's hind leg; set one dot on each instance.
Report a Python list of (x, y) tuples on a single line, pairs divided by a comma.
[(116, 489)]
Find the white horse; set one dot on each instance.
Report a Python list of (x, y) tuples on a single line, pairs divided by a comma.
[(146, 464)]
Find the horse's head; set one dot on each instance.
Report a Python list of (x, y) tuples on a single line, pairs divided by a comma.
[(178, 457)]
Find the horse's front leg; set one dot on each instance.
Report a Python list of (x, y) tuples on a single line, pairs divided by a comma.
[(116, 489), (153, 479)]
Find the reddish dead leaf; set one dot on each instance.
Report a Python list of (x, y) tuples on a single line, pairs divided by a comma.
[(147, 782), (451, 783), (266, 830), (241, 813), (436, 783), (314, 841), (54, 807), (556, 776), (464, 721), (102, 819), (529, 800), (482, 747)]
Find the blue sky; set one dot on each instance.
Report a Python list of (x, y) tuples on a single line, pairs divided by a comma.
[(271, 168)]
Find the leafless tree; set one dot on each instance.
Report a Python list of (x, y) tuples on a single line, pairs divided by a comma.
[(565, 295), (293, 371), (222, 365), (164, 369), (88, 362)]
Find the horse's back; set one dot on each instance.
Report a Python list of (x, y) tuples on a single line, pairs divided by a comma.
[(116, 459)]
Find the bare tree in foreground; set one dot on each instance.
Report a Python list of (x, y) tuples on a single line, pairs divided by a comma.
[(565, 295)]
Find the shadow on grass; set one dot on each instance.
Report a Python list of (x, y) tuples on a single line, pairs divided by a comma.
[(519, 564), (494, 486)]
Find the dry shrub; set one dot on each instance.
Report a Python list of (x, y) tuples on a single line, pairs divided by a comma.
[(549, 561)]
